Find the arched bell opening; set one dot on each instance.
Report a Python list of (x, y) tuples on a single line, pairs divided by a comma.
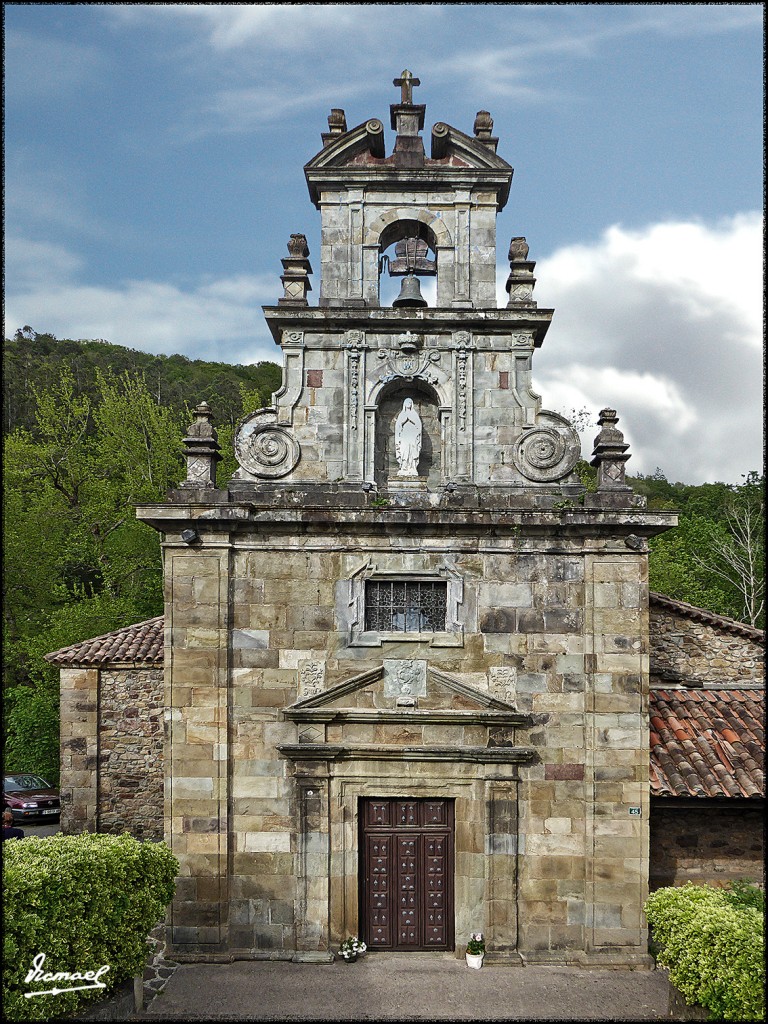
[(407, 265), (395, 433)]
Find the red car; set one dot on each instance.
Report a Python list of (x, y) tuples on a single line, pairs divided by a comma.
[(30, 796)]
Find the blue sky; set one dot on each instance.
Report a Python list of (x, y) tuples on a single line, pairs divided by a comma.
[(154, 172)]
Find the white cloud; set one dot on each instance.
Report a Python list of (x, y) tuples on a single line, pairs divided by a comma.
[(36, 264), (281, 27), (213, 318), (665, 325), (469, 46)]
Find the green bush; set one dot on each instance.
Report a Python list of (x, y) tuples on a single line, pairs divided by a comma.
[(85, 902), (712, 942)]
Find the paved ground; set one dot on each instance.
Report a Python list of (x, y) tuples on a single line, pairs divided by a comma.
[(48, 828), (391, 987)]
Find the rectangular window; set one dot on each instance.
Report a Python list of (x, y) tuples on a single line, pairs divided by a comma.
[(405, 606)]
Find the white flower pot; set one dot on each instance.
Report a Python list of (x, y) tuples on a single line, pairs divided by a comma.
[(474, 960)]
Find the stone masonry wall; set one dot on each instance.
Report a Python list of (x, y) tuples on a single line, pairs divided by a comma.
[(569, 628), (690, 650), (131, 752), (710, 844)]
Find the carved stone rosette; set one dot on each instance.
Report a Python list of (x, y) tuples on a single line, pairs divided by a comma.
[(547, 451), (265, 449)]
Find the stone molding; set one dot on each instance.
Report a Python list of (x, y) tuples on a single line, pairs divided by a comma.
[(391, 752)]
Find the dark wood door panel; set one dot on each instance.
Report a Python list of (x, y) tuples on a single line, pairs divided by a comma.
[(407, 874), (379, 911)]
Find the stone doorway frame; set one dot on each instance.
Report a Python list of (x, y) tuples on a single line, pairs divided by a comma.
[(329, 862)]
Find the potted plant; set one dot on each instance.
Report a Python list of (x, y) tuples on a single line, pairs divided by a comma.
[(475, 950), (351, 948)]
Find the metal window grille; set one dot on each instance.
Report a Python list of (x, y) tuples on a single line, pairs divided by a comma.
[(400, 606)]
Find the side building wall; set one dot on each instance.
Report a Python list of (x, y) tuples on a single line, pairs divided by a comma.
[(696, 652), (713, 844), (112, 751)]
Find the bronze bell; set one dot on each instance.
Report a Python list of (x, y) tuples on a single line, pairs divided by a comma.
[(410, 293)]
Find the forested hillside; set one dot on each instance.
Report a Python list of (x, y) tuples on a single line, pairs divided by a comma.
[(91, 429), (33, 361)]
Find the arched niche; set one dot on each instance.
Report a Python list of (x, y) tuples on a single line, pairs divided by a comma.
[(390, 403), (402, 222)]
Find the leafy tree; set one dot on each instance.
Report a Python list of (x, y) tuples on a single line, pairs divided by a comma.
[(715, 558), (32, 360), (736, 551), (78, 562)]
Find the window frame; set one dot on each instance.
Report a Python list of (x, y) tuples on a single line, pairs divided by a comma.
[(451, 636)]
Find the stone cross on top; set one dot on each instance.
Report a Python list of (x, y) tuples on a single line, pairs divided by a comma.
[(406, 81)]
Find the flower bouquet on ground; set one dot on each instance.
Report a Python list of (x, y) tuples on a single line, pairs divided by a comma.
[(351, 948)]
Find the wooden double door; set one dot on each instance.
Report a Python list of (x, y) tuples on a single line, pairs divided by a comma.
[(407, 873)]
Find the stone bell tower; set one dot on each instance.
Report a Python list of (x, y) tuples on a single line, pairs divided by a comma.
[(406, 654), (351, 361)]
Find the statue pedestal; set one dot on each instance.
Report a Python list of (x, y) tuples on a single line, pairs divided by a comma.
[(407, 483)]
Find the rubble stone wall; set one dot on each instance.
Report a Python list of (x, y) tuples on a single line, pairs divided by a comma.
[(131, 752), (689, 650)]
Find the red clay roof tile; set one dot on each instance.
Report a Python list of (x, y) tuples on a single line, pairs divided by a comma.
[(707, 742), (138, 644)]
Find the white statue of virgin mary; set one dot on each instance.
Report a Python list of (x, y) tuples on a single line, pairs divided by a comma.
[(408, 439)]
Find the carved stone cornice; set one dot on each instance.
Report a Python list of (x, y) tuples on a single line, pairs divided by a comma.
[(410, 716), (384, 752)]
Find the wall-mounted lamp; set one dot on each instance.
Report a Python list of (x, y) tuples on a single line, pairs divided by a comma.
[(190, 536)]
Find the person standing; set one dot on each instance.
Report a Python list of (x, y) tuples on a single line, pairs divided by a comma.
[(9, 829)]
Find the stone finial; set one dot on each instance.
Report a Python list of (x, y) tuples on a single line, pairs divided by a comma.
[(296, 271), (202, 449), (297, 246), (337, 126), (337, 121), (521, 281), (483, 129), (518, 250), (407, 119), (609, 455)]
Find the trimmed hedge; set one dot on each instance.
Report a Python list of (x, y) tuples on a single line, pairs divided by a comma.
[(713, 944), (84, 901)]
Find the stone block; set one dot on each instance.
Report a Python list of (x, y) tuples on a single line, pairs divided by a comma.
[(558, 825), (607, 916), (263, 787), (554, 845), (194, 788), (267, 842), (505, 595)]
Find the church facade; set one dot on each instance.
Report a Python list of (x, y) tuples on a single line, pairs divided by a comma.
[(406, 655)]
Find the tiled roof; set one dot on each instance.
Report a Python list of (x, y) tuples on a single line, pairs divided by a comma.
[(139, 644), (695, 614), (707, 743)]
